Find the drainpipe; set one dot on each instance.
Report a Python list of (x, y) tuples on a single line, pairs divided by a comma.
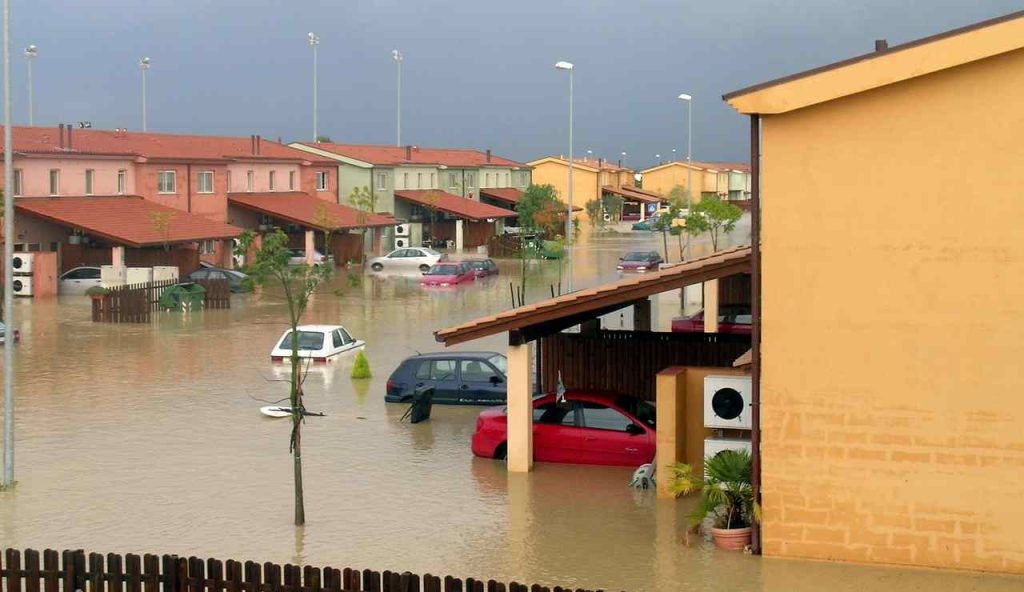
[(755, 309), (188, 185)]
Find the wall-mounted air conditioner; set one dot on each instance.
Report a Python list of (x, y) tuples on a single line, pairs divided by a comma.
[(402, 242), (21, 263), (727, 402), (401, 230), (715, 446), (23, 285)]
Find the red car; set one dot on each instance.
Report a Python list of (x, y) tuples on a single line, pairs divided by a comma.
[(448, 274), (591, 428), (731, 319)]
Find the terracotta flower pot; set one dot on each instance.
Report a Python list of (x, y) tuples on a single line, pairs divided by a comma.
[(732, 539)]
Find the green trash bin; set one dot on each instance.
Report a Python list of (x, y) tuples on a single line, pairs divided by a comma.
[(195, 294), (183, 297)]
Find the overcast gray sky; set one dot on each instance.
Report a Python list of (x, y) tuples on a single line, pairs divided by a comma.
[(476, 73)]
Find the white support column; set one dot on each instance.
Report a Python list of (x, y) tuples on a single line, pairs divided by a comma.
[(520, 410), (459, 234), (310, 247), (643, 211), (711, 306)]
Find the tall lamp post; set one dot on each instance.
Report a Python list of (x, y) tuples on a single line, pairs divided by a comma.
[(8, 476), (568, 216), (30, 53), (397, 57), (314, 41), (689, 156), (144, 66)]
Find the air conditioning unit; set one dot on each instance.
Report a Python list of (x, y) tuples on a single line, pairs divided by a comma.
[(22, 286), (139, 275), (715, 446), (401, 230), (22, 262), (727, 402), (165, 272), (112, 276), (402, 242)]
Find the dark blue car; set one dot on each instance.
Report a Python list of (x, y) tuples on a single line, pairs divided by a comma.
[(459, 378)]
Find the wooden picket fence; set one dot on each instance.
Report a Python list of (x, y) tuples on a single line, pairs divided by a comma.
[(135, 303), (74, 571)]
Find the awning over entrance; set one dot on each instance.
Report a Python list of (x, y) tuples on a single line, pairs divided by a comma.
[(633, 194), (455, 205), (509, 195), (126, 220), (555, 314), (301, 208)]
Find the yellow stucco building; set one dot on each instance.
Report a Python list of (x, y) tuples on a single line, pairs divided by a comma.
[(726, 180), (892, 303), (588, 176)]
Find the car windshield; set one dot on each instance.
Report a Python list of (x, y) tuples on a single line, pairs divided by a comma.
[(235, 274), (308, 341), (444, 270), (636, 256), (642, 410), (500, 362)]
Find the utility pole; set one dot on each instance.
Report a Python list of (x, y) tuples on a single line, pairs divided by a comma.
[(30, 53), (397, 56), (314, 41), (144, 66), (8, 480)]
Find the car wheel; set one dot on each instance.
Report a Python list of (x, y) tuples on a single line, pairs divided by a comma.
[(376, 267), (501, 452), (424, 268)]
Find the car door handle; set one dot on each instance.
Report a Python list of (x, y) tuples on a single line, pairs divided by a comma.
[(464, 387)]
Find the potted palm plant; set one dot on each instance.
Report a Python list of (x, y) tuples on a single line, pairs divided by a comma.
[(726, 496)]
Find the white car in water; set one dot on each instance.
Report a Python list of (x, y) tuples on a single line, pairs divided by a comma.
[(421, 258), (319, 343), (78, 280)]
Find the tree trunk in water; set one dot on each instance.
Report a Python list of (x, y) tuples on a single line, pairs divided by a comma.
[(300, 505), (664, 238)]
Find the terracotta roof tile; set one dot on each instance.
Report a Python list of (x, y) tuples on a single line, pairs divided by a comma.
[(301, 208), (128, 220), (396, 155), (634, 193), (509, 195), (601, 299), (454, 204)]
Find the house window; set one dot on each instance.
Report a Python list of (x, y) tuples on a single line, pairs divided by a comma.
[(165, 182), (506, 180), (470, 182), (89, 175), (453, 181), (17, 182), (419, 180), (204, 182), (321, 181), (382, 181), (405, 180), (272, 180), (291, 180), (250, 181), (54, 181), (207, 247), (432, 180), (488, 179), (122, 181), (227, 180)]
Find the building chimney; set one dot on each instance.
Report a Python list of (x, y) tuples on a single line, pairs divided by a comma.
[(620, 163), (252, 144), (600, 163), (62, 136), (259, 144), (881, 45), (408, 151), (488, 155), (69, 127)]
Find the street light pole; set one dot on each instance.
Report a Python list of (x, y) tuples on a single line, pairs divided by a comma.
[(30, 52), (689, 156), (314, 41), (568, 216), (8, 480), (397, 56), (144, 66)]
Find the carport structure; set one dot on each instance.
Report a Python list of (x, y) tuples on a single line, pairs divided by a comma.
[(583, 358), (482, 218), (312, 215), (634, 197)]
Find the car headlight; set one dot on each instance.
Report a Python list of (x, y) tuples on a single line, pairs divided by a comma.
[(641, 268)]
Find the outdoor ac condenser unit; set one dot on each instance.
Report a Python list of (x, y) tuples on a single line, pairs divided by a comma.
[(22, 262), (401, 230), (23, 285), (165, 272), (401, 242), (714, 446), (727, 402)]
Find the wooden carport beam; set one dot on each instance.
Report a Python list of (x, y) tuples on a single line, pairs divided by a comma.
[(711, 306), (519, 448)]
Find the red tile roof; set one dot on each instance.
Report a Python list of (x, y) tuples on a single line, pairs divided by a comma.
[(570, 309), (634, 193), (127, 220), (396, 155), (303, 209), (44, 140), (506, 194), (454, 204), (591, 163)]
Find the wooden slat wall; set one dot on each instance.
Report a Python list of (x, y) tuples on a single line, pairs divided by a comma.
[(628, 361)]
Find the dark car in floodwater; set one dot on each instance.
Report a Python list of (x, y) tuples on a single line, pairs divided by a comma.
[(459, 378)]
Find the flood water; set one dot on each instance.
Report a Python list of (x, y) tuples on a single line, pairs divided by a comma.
[(147, 438)]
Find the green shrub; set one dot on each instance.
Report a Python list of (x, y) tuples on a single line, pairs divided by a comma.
[(97, 291), (361, 368)]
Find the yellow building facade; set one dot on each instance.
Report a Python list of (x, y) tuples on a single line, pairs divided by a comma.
[(708, 178), (588, 176), (892, 420)]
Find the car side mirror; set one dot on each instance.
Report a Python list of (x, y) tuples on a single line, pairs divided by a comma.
[(496, 380), (634, 430)]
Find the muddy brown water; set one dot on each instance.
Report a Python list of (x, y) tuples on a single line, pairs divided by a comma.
[(147, 438)]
